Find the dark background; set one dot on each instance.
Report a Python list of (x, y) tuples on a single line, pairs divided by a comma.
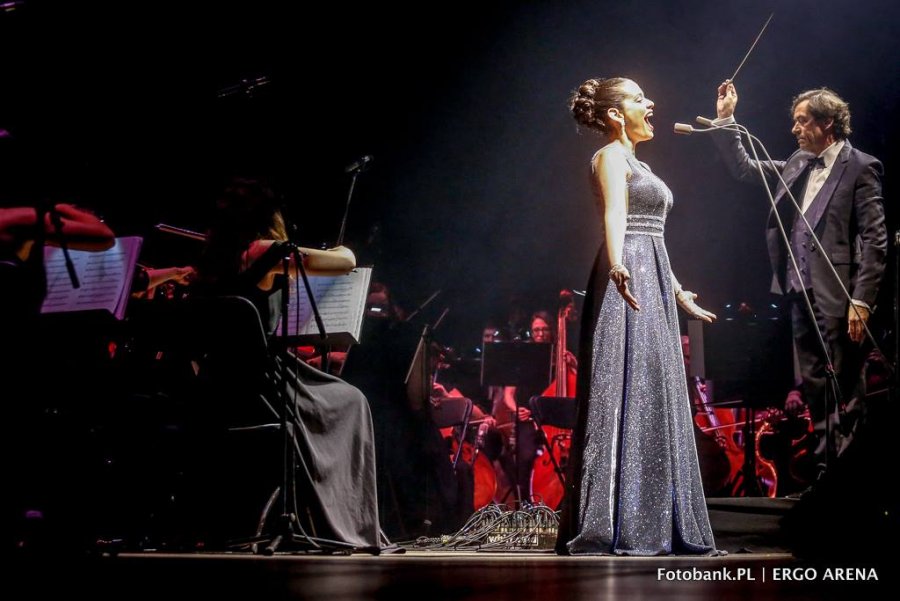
[(479, 184)]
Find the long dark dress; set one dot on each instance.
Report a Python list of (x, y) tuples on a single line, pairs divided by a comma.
[(634, 486), (335, 439)]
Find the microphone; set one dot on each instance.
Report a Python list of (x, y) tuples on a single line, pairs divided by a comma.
[(685, 129), (245, 86), (361, 165)]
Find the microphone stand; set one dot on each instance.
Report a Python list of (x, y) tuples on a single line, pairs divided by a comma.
[(423, 305), (895, 389), (325, 348), (355, 174)]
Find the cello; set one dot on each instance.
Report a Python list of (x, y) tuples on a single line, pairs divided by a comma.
[(548, 482), (724, 469), (722, 458), (485, 479)]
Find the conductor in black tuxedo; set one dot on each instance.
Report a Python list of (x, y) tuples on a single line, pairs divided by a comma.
[(839, 191)]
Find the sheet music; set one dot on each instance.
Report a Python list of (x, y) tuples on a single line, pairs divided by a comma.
[(105, 278), (341, 301)]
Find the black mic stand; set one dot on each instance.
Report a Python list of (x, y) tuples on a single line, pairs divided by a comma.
[(354, 175), (324, 347), (895, 388)]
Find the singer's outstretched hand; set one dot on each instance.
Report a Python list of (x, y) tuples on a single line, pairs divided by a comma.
[(727, 100), (685, 300)]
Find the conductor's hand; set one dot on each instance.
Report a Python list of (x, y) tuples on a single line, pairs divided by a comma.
[(685, 300), (857, 316), (727, 100), (619, 276)]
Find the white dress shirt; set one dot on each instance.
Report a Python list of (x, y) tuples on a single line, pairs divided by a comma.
[(820, 173)]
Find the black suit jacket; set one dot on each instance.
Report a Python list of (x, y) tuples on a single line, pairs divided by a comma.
[(851, 227)]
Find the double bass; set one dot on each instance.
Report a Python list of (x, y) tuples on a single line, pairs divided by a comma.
[(548, 482)]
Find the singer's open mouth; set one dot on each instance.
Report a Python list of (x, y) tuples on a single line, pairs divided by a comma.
[(647, 120)]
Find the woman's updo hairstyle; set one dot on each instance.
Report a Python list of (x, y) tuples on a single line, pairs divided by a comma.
[(593, 98)]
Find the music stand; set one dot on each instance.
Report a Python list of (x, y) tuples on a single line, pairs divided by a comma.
[(749, 357), (559, 412), (451, 412), (521, 364)]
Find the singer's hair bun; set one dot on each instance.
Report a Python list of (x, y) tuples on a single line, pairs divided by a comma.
[(593, 98)]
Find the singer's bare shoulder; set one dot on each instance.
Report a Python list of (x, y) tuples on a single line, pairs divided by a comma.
[(611, 159)]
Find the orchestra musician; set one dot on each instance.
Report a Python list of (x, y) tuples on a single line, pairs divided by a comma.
[(335, 440), (513, 417), (31, 452)]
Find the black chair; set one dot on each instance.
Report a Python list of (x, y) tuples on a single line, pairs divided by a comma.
[(208, 357), (452, 412)]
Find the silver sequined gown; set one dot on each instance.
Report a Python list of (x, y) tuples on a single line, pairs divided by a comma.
[(634, 485)]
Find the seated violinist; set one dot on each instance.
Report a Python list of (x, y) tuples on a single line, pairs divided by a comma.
[(23, 233), (335, 440), (35, 476)]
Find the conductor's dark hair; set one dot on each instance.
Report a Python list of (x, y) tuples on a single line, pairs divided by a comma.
[(824, 105)]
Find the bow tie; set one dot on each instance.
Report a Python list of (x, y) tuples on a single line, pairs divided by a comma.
[(816, 162)]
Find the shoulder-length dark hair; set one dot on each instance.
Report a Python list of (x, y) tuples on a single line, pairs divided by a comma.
[(245, 211)]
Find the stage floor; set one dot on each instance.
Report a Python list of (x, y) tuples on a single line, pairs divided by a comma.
[(758, 566), (435, 576)]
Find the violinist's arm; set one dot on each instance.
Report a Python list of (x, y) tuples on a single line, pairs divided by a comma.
[(180, 275), (334, 261), (82, 229)]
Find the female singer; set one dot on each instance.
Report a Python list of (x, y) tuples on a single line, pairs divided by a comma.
[(634, 485)]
